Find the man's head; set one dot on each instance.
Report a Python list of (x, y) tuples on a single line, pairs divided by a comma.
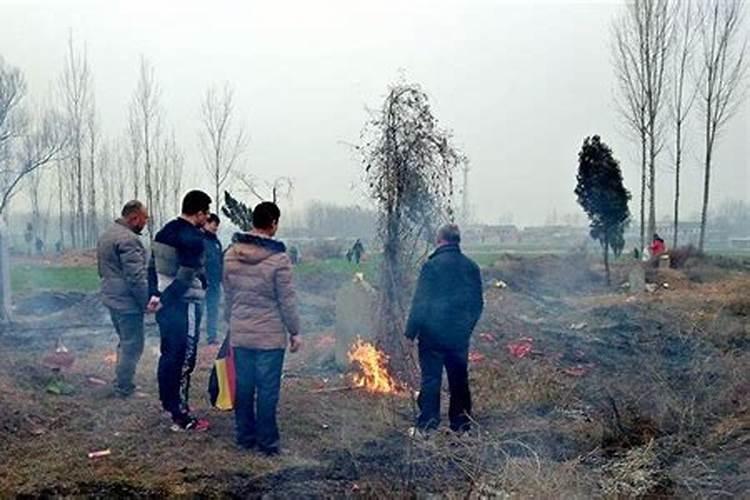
[(196, 206), (212, 224), (135, 215), (449, 234), (266, 218)]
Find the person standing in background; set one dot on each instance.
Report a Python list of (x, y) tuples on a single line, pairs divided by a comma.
[(214, 271)]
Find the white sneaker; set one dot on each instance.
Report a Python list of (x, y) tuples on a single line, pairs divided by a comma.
[(416, 433)]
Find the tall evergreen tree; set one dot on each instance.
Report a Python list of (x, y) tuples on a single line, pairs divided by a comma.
[(603, 196)]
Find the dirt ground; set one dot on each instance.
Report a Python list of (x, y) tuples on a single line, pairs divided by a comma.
[(579, 391)]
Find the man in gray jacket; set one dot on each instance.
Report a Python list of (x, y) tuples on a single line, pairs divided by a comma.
[(122, 266)]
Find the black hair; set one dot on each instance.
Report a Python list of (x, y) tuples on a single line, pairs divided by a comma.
[(213, 218), (265, 214), (195, 201)]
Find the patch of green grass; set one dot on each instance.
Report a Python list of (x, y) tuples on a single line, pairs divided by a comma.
[(338, 267), (29, 278)]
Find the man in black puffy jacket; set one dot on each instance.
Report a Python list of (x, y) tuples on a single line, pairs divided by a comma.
[(446, 306), (177, 285)]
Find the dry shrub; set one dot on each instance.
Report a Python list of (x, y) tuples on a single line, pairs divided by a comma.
[(525, 478), (513, 384), (680, 256), (634, 474), (492, 466)]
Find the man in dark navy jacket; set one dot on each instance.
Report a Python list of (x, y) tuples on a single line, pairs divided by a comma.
[(447, 305), (177, 285)]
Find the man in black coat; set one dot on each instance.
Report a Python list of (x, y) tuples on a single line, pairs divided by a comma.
[(447, 305)]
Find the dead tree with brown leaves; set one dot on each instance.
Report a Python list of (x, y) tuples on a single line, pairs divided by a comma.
[(409, 165)]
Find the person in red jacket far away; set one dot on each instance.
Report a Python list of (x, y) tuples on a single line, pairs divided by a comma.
[(657, 247)]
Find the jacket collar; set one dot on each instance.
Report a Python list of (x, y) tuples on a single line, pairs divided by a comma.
[(267, 243), (450, 247), (125, 225), (210, 236)]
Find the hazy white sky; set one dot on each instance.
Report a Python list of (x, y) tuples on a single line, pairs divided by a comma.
[(519, 83)]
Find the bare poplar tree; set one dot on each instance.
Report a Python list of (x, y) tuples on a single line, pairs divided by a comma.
[(92, 179), (119, 178), (34, 186), (27, 142), (409, 165), (724, 49), (222, 142), (642, 42), (43, 142), (105, 179), (684, 91), (75, 86), (174, 162), (146, 122), (12, 92), (134, 153)]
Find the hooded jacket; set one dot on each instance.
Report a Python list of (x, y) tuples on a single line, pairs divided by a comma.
[(261, 303), (121, 261)]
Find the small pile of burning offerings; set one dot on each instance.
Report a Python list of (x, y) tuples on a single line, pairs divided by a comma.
[(372, 367)]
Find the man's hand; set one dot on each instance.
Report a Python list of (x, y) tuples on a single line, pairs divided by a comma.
[(154, 304), (294, 343)]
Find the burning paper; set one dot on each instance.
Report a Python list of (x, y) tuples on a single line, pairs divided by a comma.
[(372, 364)]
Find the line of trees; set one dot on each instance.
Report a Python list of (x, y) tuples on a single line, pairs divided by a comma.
[(91, 175), (676, 61)]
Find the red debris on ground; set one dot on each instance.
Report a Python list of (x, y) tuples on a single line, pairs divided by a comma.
[(578, 370), (521, 348), (476, 357)]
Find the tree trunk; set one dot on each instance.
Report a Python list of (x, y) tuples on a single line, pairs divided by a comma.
[(706, 188), (606, 260), (678, 167), (643, 192), (652, 186), (60, 195), (80, 198)]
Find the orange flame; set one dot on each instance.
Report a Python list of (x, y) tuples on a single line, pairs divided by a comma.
[(373, 369)]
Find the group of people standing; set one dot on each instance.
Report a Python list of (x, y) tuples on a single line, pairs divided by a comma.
[(179, 280), (183, 275)]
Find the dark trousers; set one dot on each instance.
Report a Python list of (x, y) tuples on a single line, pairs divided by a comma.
[(129, 328), (213, 297), (178, 327), (258, 383), (431, 363)]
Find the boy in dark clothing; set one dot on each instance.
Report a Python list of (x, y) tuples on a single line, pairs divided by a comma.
[(214, 271), (177, 285), (447, 305)]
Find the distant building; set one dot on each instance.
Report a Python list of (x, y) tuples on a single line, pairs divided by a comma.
[(491, 234), (742, 243)]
